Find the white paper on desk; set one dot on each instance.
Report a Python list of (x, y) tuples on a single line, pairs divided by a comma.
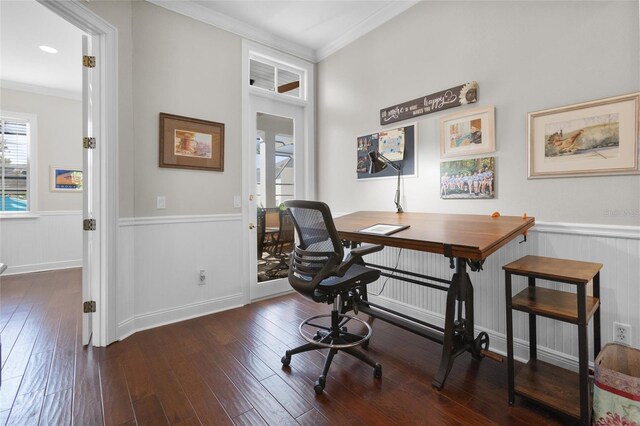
[(383, 229)]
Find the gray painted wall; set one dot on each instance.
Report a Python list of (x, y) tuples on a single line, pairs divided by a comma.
[(184, 67), (526, 56)]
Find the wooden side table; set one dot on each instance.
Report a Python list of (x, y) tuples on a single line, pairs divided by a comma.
[(560, 389)]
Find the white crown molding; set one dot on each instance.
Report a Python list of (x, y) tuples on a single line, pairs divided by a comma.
[(591, 230), (166, 220), (208, 16), (41, 90), (376, 19)]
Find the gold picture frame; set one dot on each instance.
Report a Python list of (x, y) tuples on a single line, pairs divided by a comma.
[(191, 143), (595, 138), (469, 132)]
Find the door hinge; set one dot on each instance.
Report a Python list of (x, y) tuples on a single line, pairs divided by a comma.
[(89, 307), (89, 224), (89, 143), (89, 61)]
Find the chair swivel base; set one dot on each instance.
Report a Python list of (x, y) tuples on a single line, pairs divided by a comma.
[(335, 338)]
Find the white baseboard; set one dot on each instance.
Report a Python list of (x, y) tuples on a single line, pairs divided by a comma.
[(41, 267), (497, 341), (179, 313)]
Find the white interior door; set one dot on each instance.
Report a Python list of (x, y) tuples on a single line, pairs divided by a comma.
[(279, 146), (91, 169)]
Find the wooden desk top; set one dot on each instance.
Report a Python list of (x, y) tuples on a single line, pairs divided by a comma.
[(471, 236)]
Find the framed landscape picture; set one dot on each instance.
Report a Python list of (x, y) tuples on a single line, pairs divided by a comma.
[(472, 179), (65, 179), (587, 139), (190, 143), (469, 132)]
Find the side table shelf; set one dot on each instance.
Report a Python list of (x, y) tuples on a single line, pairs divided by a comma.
[(557, 388)]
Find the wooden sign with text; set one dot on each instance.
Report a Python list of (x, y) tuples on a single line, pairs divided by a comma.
[(456, 96)]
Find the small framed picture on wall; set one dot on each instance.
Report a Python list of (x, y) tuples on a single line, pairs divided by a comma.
[(65, 179), (468, 132)]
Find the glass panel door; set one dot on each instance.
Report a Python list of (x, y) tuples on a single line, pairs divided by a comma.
[(275, 183), (277, 149)]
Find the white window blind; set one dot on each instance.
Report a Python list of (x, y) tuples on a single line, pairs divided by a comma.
[(14, 165)]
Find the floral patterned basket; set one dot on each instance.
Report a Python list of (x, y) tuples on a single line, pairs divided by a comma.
[(616, 394)]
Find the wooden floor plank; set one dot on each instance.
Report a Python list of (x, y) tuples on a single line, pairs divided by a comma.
[(117, 402), (36, 373), (57, 409), (286, 396), (250, 418), (149, 411), (137, 375), (175, 403), (87, 397), (8, 392), (17, 361), (207, 407), (230, 397), (26, 409)]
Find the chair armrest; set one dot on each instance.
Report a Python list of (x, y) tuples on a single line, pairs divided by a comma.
[(364, 250), (355, 255)]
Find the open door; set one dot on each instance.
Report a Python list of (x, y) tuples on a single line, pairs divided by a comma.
[(91, 168)]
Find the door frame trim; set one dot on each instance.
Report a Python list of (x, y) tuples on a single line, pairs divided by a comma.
[(250, 48), (106, 97)]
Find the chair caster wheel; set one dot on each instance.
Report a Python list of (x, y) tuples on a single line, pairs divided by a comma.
[(344, 329), (286, 359), (377, 371), (319, 386)]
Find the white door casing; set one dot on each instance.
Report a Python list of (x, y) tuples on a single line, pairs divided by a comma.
[(104, 103), (254, 100)]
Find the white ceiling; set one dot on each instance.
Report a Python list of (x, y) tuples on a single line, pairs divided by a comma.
[(309, 29), (25, 25)]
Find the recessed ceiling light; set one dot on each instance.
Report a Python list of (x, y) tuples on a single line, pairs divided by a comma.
[(48, 49)]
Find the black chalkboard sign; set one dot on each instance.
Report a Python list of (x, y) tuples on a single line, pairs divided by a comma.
[(445, 99), (368, 143)]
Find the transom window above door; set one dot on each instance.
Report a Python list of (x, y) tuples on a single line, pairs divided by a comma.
[(276, 77)]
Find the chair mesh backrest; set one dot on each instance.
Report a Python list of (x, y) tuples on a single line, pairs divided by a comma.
[(261, 231), (286, 232), (318, 251)]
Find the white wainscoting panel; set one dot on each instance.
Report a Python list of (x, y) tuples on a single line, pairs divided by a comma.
[(166, 255), (617, 249), (50, 240), (126, 280)]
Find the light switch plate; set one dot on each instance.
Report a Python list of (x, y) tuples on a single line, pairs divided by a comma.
[(236, 201), (161, 202)]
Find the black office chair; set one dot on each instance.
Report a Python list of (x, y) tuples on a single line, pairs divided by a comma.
[(282, 246), (318, 271)]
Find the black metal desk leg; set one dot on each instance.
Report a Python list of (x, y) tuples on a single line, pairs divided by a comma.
[(596, 317), (533, 333), (449, 346), (510, 363), (583, 357)]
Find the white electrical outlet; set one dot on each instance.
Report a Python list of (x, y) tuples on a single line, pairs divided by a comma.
[(622, 333), (203, 277)]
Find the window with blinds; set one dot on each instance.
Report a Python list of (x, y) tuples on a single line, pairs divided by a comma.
[(14, 165)]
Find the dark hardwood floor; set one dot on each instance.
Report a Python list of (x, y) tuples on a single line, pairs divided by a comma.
[(225, 369)]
